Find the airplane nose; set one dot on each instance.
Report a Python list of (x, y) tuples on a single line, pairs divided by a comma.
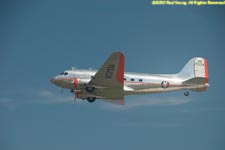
[(52, 80)]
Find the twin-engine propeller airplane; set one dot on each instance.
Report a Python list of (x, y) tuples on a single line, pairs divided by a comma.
[(112, 84)]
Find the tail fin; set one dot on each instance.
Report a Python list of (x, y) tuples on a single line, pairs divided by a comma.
[(195, 71)]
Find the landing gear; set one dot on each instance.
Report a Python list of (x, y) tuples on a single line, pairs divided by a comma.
[(90, 89), (186, 93), (91, 99)]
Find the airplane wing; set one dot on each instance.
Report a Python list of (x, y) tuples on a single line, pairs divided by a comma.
[(109, 80)]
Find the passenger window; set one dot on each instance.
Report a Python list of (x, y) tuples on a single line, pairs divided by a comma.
[(140, 80), (124, 79), (66, 73), (131, 79)]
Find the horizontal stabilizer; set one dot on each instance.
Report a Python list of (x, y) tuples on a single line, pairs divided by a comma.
[(197, 80)]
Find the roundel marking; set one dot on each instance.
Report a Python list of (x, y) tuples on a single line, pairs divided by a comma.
[(165, 84)]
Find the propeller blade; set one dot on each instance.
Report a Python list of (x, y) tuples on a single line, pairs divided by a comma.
[(75, 98), (76, 95)]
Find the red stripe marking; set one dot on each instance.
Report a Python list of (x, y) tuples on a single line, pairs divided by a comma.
[(120, 71), (66, 78), (150, 83), (206, 71), (75, 83)]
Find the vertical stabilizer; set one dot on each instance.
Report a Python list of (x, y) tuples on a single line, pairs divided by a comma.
[(195, 68)]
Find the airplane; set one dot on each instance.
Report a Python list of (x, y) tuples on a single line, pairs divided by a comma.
[(111, 83)]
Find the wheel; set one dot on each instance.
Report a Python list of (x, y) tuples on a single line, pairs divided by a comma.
[(186, 93), (91, 99), (90, 89)]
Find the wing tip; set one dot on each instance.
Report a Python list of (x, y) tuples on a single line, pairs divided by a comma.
[(118, 52)]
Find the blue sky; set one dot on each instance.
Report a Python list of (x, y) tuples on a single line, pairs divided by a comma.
[(39, 39)]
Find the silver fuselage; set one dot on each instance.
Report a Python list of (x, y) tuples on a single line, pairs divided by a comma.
[(134, 83)]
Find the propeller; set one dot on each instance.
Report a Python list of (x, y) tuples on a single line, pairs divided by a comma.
[(75, 98), (74, 81), (76, 94)]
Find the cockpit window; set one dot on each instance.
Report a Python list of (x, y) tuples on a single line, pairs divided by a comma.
[(64, 73)]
